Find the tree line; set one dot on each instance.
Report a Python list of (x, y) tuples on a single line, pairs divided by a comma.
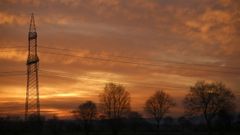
[(204, 99), (213, 102)]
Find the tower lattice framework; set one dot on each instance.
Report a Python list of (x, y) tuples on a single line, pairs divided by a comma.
[(32, 105)]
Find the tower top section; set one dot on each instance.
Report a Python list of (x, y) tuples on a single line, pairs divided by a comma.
[(32, 34), (32, 43), (32, 27)]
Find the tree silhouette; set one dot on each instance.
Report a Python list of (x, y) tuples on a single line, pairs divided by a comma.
[(168, 121), (86, 112), (35, 123), (54, 125), (208, 99), (135, 120), (115, 103), (184, 123), (224, 119), (159, 105)]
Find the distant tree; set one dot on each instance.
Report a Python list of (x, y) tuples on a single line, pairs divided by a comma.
[(225, 119), (184, 122), (86, 112), (11, 125), (159, 105), (168, 121), (115, 103), (238, 119), (34, 123), (208, 99), (135, 120), (54, 125)]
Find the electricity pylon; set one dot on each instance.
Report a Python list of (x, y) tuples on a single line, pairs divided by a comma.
[(32, 105)]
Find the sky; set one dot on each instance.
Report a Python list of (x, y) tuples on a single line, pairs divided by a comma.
[(145, 45)]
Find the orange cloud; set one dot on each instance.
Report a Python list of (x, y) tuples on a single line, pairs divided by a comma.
[(7, 18), (13, 55)]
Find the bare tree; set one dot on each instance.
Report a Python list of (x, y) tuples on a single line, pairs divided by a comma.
[(86, 112), (208, 99), (159, 105), (115, 103)]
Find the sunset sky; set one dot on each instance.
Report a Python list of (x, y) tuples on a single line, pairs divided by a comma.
[(145, 45)]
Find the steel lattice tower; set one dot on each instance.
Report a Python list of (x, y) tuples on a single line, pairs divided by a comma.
[(32, 105)]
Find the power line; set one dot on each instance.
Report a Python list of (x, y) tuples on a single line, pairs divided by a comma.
[(70, 75), (7, 72), (92, 78), (140, 58), (10, 75), (146, 65), (10, 47), (149, 85), (146, 59), (18, 50)]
